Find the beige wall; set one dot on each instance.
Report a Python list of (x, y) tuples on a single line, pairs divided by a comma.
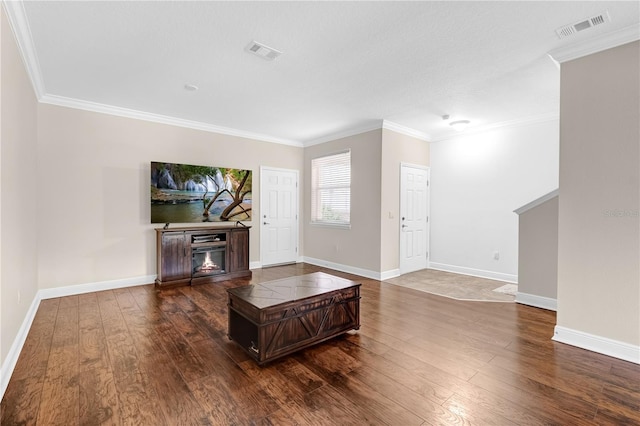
[(396, 149), (358, 247), (93, 222), (538, 250), (19, 191), (599, 233)]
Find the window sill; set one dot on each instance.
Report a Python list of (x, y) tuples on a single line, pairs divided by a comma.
[(331, 225)]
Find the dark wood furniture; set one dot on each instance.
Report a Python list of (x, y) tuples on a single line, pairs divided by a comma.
[(276, 318), (198, 255)]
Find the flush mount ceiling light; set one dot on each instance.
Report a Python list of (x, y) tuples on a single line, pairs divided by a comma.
[(265, 52), (459, 125), (190, 87)]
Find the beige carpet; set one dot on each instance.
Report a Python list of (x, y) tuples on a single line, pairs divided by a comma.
[(456, 286)]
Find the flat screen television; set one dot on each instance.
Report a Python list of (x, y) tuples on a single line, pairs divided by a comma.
[(186, 193)]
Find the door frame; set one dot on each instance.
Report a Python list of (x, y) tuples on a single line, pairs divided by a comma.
[(428, 213), (262, 229)]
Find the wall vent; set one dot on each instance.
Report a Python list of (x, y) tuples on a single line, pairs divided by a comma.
[(265, 52), (576, 27)]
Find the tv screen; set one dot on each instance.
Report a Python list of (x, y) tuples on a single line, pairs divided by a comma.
[(185, 193)]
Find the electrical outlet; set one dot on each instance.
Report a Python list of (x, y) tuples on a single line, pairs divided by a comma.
[(496, 255)]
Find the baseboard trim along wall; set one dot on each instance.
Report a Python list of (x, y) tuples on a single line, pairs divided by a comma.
[(72, 290), (393, 273), (481, 273), (6, 370), (601, 345), (537, 301), (344, 268)]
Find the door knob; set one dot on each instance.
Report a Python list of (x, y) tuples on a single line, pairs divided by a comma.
[(265, 223)]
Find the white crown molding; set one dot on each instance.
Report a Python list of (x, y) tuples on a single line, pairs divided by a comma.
[(389, 125), (345, 133), (163, 119), (526, 121), (382, 124), (607, 41), (22, 32), (601, 345)]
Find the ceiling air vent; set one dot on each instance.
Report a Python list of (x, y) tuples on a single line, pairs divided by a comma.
[(576, 27), (265, 52)]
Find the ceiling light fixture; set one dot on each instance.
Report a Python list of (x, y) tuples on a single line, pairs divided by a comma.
[(265, 52), (190, 87), (459, 125)]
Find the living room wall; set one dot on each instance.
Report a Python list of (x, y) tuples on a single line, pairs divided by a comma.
[(598, 218), (477, 181), (397, 148), (356, 249), (19, 191), (93, 223)]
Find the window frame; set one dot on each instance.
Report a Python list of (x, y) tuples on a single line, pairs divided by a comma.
[(317, 190)]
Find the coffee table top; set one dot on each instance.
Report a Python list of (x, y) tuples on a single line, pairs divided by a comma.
[(289, 289)]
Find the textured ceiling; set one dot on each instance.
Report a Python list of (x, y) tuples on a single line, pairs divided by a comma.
[(345, 65)]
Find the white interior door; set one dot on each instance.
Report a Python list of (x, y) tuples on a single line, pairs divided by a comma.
[(414, 218), (279, 216)]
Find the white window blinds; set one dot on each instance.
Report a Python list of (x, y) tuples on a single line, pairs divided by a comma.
[(331, 189)]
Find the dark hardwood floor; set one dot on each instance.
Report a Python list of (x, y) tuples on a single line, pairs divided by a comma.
[(142, 356)]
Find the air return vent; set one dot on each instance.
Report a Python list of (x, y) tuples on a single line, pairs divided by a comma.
[(576, 27), (265, 52)]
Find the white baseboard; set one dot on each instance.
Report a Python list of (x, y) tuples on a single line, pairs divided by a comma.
[(344, 268), (537, 301), (258, 264), (499, 276), (385, 275), (72, 290), (602, 345), (6, 370)]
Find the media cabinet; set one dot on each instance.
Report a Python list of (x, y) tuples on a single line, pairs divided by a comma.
[(199, 255)]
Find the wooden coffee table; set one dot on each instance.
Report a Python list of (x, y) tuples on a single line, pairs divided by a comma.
[(276, 318)]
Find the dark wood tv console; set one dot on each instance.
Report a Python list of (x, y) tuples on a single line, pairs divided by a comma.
[(198, 255), (276, 318)]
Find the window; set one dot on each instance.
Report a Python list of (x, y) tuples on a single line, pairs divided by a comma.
[(331, 189)]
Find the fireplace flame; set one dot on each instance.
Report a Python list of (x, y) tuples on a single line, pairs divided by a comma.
[(208, 264)]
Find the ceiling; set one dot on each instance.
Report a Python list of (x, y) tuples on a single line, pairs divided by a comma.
[(345, 67)]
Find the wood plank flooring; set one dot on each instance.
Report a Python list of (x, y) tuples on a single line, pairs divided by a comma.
[(142, 356)]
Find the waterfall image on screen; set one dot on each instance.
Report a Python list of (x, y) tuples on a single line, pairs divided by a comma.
[(185, 193)]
